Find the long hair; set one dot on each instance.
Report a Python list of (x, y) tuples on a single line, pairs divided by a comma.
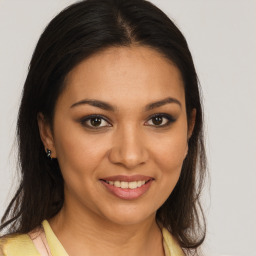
[(79, 31)]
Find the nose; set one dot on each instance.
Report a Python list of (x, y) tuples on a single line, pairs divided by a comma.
[(128, 148)]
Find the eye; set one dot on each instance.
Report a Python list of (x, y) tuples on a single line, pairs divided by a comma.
[(160, 120), (95, 122)]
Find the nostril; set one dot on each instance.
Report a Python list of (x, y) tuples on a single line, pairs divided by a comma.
[(129, 160)]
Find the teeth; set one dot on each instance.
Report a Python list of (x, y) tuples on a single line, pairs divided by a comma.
[(133, 184), (117, 184), (125, 184)]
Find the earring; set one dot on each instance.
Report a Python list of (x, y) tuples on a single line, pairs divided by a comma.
[(48, 153)]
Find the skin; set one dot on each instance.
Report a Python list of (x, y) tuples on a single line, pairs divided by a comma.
[(128, 143)]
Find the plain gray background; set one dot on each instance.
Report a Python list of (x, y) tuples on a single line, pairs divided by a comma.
[(222, 39)]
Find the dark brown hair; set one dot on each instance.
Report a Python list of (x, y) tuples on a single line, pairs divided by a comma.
[(76, 33)]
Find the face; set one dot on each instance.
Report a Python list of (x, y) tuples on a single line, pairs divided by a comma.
[(120, 134)]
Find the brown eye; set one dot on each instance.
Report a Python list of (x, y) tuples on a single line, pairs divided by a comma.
[(95, 122), (157, 120), (160, 120)]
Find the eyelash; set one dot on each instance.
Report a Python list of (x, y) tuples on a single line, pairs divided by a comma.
[(170, 119)]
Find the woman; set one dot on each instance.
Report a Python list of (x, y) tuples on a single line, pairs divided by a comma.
[(110, 138)]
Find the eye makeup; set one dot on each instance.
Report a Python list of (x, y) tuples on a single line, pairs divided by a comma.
[(160, 120), (97, 121)]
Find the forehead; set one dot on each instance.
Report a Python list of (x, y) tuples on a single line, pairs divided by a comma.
[(134, 74)]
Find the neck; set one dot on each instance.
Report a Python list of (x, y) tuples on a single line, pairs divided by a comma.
[(89, 234)]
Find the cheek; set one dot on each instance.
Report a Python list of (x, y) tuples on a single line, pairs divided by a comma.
[(168, 159), (170, 152), (77, 153)]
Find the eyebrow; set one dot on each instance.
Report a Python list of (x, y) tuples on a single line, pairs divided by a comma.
[(160, 103), (106, 106)]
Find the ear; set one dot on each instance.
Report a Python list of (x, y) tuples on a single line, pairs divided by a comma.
[(191, 123), (46, 134)]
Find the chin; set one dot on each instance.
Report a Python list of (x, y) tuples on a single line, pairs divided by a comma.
[(129, 215)]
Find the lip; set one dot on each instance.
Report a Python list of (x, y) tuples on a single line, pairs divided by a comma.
[(127, 193)]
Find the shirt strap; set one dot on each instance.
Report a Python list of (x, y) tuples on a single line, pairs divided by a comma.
[(39, 240)]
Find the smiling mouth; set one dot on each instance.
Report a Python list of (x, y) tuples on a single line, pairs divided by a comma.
[(127, 187), (126, 184)]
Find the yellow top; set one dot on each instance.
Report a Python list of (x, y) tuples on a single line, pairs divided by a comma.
[(22, 245)]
